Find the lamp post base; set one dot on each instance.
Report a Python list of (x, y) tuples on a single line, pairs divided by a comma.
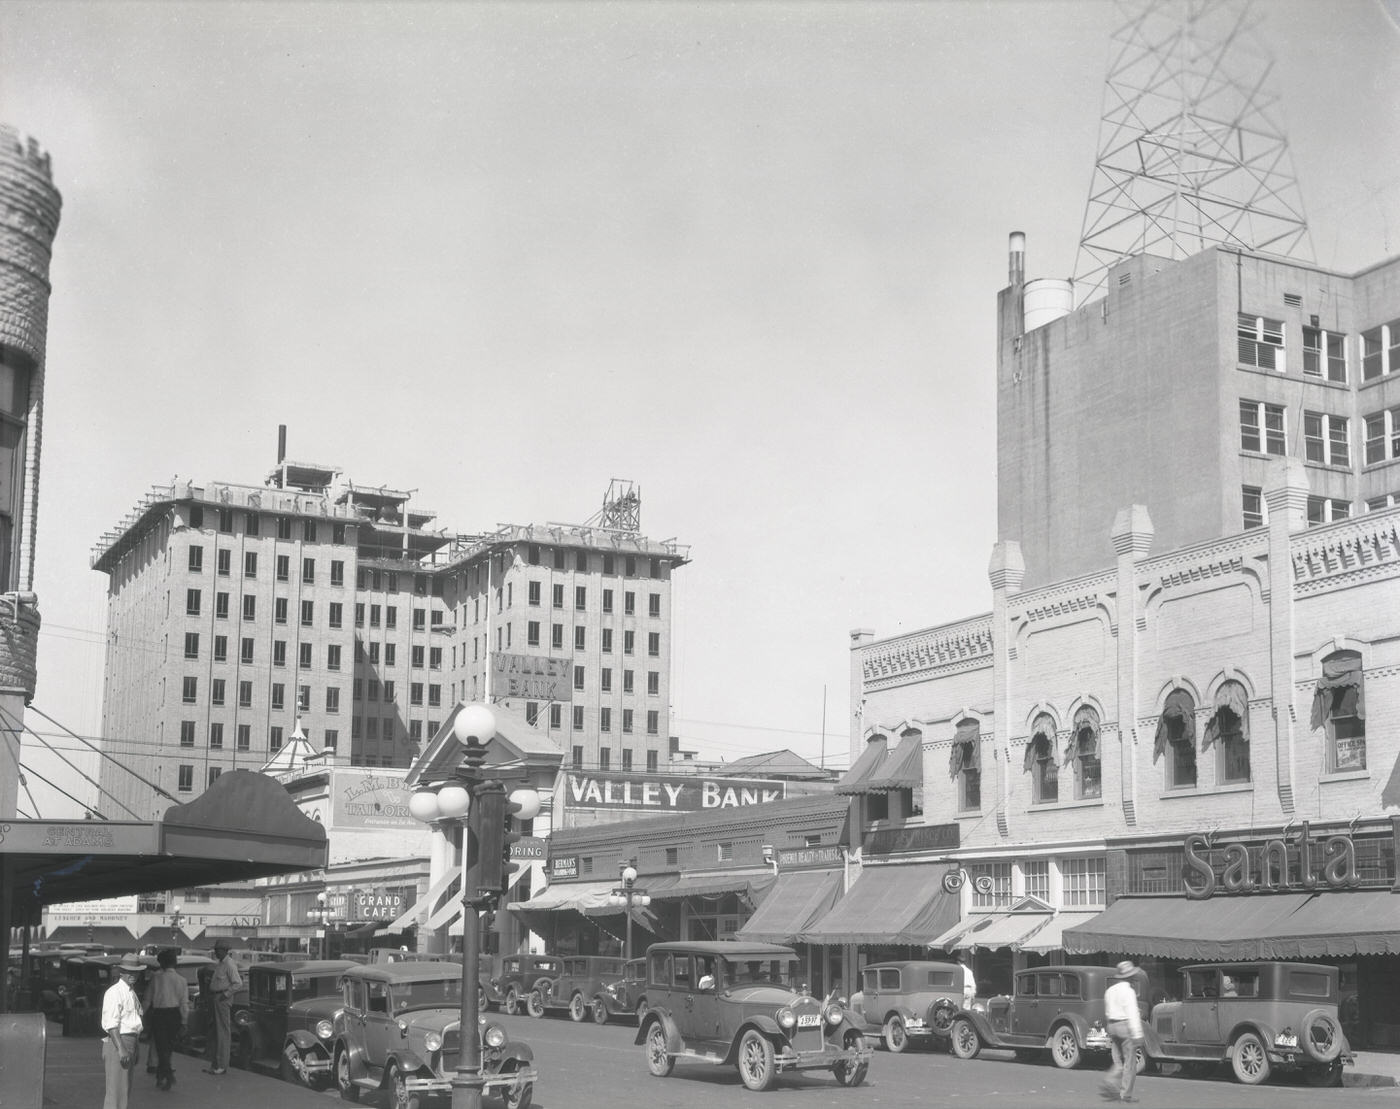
[(466, 1090)]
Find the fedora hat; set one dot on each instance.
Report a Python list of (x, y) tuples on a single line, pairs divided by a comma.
[(1125, 969), (129, 965)]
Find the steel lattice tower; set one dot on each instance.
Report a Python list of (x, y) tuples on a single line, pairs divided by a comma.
[(1190, 154)]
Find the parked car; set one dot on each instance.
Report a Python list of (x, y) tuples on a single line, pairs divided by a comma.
[(909, 1002), (622, 995), (518, 976), (404, 955), (1058, 1009), (85, 980), (1258, 1017), (287, 1023), (36, 980), (579, 980), (398, 1031), (737, 1004)]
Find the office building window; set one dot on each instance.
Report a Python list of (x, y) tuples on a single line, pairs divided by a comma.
[(653, 682), (279, 610), (250, 523), (605, 680), (580, 638), (578, 718), (245, 695), (216, 736), (998, 895), (374, 613), (605, 719), (191, 602), (434, 696), (250, 606), (196, 560), (556, 715), (654, 604), (186, 778), (1325, 510), (221, 605), (308, 531), (626, 721), (216, 691), (1085, 882), (629, 642), (245, 737), (308, 571), (434, 658), (1380, 351), (334, 616), (604, 759), (245, 652), (607, 641), (279, 652), (1261, 427), (284, 568), (654, 644), (1261, 342), (274, 738), (371, 690), (304, 656), (607, 601), (279, 695), (192, 644), (189, 692), (1035, 877), (1326, 438), (630, 566), (628, 681), (532, 633), (221, 648), (250, 564), (1255, 513), (224, 560), (415, 693), (556, 596), (653, 722), (337, 572), (308, 613), (389, 690), (580, 598), (576, 759), (652, 763), (391, 616), (186, 733), (1382, 436), (333, 699), (629, 603), (1324, 354), (359, 615)]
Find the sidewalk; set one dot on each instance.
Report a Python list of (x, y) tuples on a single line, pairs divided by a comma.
[(1373, 1068)]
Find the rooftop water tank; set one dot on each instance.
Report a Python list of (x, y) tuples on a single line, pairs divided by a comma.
[(1046, 299)]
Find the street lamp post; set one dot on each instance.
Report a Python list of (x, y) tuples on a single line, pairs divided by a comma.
[(322, 915), (627, 895), (478, 804), (177, 918)]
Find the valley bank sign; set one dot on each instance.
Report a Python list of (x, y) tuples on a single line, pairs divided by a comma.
[(669, 793)]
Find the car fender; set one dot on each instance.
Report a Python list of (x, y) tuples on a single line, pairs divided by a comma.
[(903, 1012), (765, 1025), (989, 1036), (514, 1049), (1075, 1021), (357, 1063), (306, 1041), (407, 1060), (1265, 1032), (674, 1042)]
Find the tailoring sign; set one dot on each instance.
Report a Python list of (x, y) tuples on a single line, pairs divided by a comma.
[(367, 799), (661, 793), (534, 677)]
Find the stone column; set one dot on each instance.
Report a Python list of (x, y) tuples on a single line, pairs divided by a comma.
[(1006, 571), (1287, 499), (1132, 536)]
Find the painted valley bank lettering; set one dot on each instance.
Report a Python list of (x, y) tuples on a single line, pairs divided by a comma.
[(1280, 864), (670, 794)]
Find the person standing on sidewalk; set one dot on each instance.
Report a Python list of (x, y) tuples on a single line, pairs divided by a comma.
[(167, 1008), (121, 1025), (224, 984), (1120, 1013)]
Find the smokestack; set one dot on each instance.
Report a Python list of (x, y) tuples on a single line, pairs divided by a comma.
[(1018, 258), (281, 443)]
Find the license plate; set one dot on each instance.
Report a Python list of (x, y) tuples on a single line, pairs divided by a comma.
[(809, 1020)]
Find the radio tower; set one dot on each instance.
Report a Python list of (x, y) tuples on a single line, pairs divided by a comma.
[(1190, 154)]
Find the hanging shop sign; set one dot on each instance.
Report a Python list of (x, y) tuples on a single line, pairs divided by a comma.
[(563, 866), (376, 904), (370, 800), (1299, 862), (659, 793), (796, 858), (531, 676)]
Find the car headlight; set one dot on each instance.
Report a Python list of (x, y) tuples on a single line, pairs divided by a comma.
[(787, 1018), (495, 1035), (243, 1018), (433, 1041), (834, 1014), (324, 1030)]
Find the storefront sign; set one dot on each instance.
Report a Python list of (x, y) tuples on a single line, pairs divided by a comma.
[(370, 799), (376, 904), (1278, 864), (529, 847), (531, 676), (565, 866), (797, 857), (670, 794)]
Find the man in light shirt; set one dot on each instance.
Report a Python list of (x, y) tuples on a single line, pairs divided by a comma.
[(223, 985), (121, 1025), (1124, 1020)]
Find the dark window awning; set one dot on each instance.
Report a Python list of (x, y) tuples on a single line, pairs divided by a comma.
[(856, 779), (1178, 713), (891, 904), (1264, 926), (793, 902), (903, 767)]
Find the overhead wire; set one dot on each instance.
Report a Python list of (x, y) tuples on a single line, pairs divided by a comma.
[(8, 719)]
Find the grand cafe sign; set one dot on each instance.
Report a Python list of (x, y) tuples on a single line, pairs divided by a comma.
[(1300, 863)]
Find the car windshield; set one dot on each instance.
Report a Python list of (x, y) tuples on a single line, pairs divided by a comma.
[(770, 972), (304, 986), (442, 992)]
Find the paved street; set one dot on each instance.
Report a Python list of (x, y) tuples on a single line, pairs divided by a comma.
[(586, 1067)]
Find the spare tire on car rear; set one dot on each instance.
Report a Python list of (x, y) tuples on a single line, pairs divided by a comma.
[(1321, 1038)]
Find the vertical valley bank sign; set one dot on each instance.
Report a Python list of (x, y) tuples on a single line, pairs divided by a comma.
[(669, 793)]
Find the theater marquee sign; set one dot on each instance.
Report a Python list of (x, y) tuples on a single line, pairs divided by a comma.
[(667, 794)]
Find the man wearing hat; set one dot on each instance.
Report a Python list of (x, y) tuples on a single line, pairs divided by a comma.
[(225, 982), (121, 1025), (1124, 1020)]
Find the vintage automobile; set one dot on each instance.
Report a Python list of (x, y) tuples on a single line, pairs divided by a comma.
[(1058, 1009), (86, 978), (36, 980), (579, 980), (737, 1004), (287, 1023), (398, 1030), (909, 1002), (517, 978), (1257, 1017), (622, 995)]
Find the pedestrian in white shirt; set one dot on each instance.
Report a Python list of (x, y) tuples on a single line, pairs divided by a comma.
[(224, 984), (121, 1026), (1124, 1020)]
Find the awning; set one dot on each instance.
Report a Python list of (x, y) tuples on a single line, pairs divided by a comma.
[(111, 935), (579, 896), (966, 752), (1085, 720), (864, 768), (903, 767), (1340, 689), (1050, 936), (1230, 699), (677, 886), (992, 930), (1180, 710), (795, 900), (891, 904), (1262, 926), (418, 911)]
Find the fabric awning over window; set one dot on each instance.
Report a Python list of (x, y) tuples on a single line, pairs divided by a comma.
[(1339, 687), (892, 904), (1180, 709), (992, 930), (1263, 926), (1231, 698), (791, 905), (1086, 719), (856, 779), (967, 748), (579, 896), (903, 767), (1043, 730)]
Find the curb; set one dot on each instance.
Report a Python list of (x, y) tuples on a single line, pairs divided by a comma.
[(1369, 1080)]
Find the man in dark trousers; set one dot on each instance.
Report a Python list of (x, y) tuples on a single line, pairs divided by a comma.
[(167, 1008), (1124, 1020)]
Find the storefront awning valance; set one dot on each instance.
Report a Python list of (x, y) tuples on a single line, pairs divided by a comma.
[(856, 779), (967, 748), (579, 896), (1050, 936), (706, 885), (793, 902), (1179, 716), (1339, 689), (1230, 699), (991, 930), (1264, 926), (903, 767), (892, 904)]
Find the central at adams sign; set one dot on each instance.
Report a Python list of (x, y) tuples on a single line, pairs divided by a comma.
[(688, 793)]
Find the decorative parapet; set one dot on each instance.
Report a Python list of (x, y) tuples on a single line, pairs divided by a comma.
[(969, 641), (575, 535), (1360, 547)]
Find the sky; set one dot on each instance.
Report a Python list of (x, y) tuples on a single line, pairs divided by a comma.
[(745, 256)]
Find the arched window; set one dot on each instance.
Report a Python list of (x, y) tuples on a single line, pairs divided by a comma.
[(1176, 738), (1229, 726), (965, 765), (1040, 761), (1339, 705), (1083, 754), (912, 797)]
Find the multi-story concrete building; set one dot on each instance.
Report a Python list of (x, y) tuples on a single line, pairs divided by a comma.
[(237, 613), (1178, 387)]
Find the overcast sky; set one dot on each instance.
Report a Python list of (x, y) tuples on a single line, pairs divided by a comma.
[(745, 256)]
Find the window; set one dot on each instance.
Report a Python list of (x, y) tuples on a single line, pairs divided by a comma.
[(652, 761), (250, 564), (1261, 427), (434, 658), (1252, 503), (653, 682), (1084, 754), (578, 718), (604, 759), (284, 527), (374, 654), (1382, 436), (374, 612), (580, 638), (279, 695), (390, 650), (577, 757), (434, 696), (216, 736), (250, 523), (653, 722), (196, 557), (308, 532), (279, 652), (629, 602), (196, 515), (533, 593), (225, 563), (1324, 510), (628, 681), (965, 765), (186, 733), (191, 602), (189, 691), (221, 605), (245, 649), (626, 721), (355, 689), (556, 715), (391, 616), (999, 895), (629, 642), (335, 615), (1380, 351), (1339, 708), (1084, 882), (654, 604), (221, 648), (245, 695), (308, 571), (186, 778), (245, 737), (308, 613), (556, 636), (654, 644), (1326, 439), (226, 521), (416, 657), (1035, 876), (274, 738), (532, 633), (372, 690), (1228, 729), (192, 644), (337, 572), (389, 690), (216, 691), (607, 641), (580, 598), (304, 656), (605, 680), (1176, 739), (1324, 354), (581, 562), (607, 600), (578, 677), (415, 693), (250, 606), (359, 615), (279, 610), (1260, 342), (1040, 762), (605, 721)]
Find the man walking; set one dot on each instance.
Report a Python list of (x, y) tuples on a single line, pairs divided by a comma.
[(121, 1025), (225, 982), (167, 1008), (1120, 1012)]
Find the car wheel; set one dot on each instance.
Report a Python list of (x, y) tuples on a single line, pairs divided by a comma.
[(1064, 1047), (964, 1042), (1322, 1036), (659, 1061), (534, 1004), (896, 1037), (1141, 1063), (1250, 1059), (578, 1009), (756, 1066), (641, 1010), (511, 1005), (940, 1016), (348, 1090), (1323, 1074), (600, 1011), (851, 1074), (517, 1097), (398, 1095)]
